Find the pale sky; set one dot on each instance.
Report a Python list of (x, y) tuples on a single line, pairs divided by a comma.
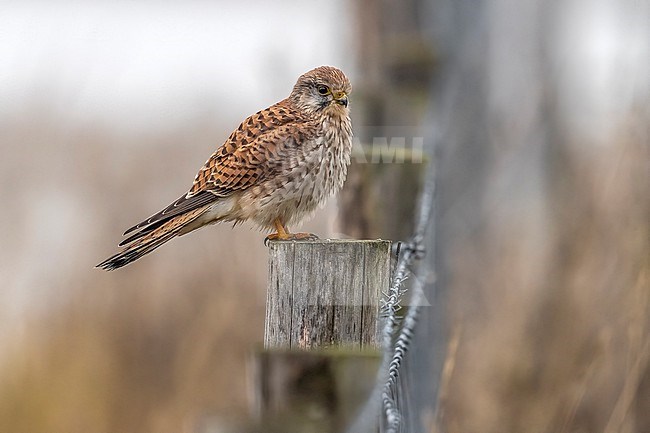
[(154, 61)]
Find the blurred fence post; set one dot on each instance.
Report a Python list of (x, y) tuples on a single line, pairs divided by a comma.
[(381, 192)]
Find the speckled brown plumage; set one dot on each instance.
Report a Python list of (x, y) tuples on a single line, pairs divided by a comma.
[(279, 165)]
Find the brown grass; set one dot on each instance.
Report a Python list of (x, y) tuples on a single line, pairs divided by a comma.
[(551, 320)]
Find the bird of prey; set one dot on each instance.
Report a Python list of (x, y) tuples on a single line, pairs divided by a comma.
[(278, 166)]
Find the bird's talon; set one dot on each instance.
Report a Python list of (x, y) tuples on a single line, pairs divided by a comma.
[(290, 237)]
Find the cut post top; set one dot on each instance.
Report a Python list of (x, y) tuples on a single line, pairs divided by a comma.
[(325, 292)]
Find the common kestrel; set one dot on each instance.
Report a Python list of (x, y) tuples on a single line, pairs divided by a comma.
[(279, 165)]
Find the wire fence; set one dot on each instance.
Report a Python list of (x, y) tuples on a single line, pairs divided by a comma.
[(396, 339), (398, 331)]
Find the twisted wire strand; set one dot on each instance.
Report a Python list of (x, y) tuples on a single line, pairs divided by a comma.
[(386, 391), (394, 353)]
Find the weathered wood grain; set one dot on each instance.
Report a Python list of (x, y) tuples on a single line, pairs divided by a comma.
[(325, 293)]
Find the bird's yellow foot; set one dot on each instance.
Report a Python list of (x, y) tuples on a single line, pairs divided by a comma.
[(282, 234)]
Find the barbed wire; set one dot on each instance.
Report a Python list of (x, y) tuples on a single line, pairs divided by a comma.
[(394, 352), (386, 391), (398, 350)]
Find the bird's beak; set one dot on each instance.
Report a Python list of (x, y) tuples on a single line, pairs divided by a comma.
[(341, 98)]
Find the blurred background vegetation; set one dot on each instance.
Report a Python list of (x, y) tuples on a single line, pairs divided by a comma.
[(535, 113), (106, 113)]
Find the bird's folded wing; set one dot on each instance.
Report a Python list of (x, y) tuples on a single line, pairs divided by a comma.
[(252, 153), (182, 205)]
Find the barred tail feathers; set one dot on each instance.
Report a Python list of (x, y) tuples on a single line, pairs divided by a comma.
[(152, 239)]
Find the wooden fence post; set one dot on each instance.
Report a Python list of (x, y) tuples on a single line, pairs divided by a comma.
[(321, 294), (325, 293)]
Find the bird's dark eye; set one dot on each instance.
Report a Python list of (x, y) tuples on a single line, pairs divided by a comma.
[(323, 90)]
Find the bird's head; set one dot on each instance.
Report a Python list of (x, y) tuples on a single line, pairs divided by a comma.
[(322, 89)]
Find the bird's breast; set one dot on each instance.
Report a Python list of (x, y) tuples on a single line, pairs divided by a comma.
[(312, 172)]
